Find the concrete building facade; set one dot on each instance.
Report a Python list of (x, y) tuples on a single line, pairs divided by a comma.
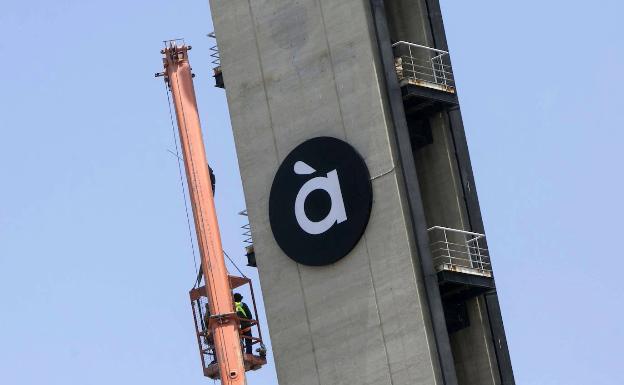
[(393, 310)]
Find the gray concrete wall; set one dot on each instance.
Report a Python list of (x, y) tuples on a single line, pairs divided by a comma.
[(475, 358), (440, 184), (295, 70), (408, 20)]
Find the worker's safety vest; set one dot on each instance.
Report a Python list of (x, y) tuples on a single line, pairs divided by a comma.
[(239, 308)]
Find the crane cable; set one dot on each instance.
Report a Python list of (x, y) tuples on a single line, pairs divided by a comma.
[(177, 154), (200, 275), (234, 263)]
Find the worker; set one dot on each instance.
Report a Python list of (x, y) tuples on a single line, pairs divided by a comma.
[(243, 312), (213, 179), (208, 339)]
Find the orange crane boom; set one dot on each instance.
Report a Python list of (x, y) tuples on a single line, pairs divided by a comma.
[(223, 324)]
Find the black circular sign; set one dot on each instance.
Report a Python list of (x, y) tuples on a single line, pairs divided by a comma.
[(320, 201)]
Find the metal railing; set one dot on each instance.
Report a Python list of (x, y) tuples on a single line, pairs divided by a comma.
[(214, 51), (424, 66), (216, 60), (246, 229), (460, 251)]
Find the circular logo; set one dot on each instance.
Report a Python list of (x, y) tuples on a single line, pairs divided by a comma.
[(320, 201)]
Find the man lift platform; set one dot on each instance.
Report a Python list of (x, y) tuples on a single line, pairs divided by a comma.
[(205, 339)]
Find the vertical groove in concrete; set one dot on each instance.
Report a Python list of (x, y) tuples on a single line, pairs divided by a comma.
[(331, 61), (383, 337), (307, 313), (487, 342), (264, 88)]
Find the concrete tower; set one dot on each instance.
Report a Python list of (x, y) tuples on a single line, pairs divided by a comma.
[(360, 194)]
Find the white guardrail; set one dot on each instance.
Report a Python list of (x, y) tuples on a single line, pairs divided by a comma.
[(460, 251), (424, 66)]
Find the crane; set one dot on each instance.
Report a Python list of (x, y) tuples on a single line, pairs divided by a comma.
[(218, 330)]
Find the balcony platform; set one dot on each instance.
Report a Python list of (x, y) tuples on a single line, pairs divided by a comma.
[(252, 362), (421, 97), (425, 76), (458, 286), (462, 263)]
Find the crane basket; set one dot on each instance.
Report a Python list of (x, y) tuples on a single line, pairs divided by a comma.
[(201, 316)]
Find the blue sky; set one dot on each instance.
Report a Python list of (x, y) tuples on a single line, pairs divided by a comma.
[(95, 258)]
